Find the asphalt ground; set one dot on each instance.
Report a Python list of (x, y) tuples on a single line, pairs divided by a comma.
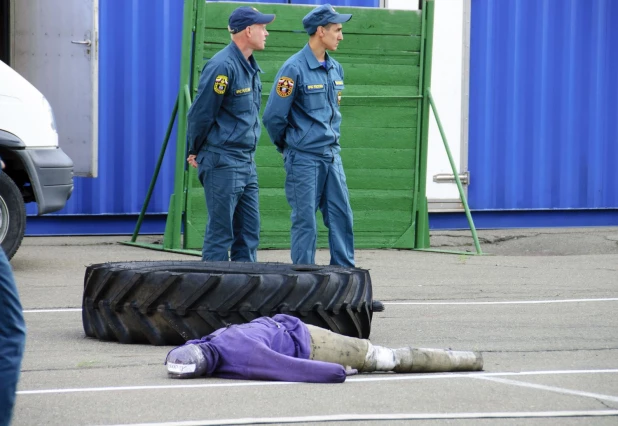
[(541, 307)]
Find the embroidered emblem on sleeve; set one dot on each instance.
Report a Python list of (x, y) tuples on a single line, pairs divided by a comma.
[(338, 98), (220, 84), (285, 87)]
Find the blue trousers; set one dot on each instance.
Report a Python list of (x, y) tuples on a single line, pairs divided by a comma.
[(232, 201), (12, 339), (312, 182)]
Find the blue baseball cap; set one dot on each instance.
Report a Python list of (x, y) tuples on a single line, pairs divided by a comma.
[(245, 16), (323, 15)]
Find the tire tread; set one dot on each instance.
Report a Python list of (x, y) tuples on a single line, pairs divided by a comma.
[(170, 302)]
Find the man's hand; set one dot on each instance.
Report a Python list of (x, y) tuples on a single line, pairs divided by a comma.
[(2, 163), (191, 161)]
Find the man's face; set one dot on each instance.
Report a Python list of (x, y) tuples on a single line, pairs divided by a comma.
[(332, 35), (257, 36)]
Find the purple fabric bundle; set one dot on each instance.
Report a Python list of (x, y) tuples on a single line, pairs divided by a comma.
[(275, 348)]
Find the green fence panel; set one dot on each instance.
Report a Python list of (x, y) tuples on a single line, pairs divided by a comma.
[(382, 55), (386, 56)]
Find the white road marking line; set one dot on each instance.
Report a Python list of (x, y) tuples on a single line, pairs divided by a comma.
[(380, 378), (153, 387), (394, 377), (550, 388), (513, 302), (358, 417), (547, 372), (508, 302)]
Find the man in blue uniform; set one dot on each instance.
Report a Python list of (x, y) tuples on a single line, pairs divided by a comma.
[(12, 337), (303, 120), (223, 132)]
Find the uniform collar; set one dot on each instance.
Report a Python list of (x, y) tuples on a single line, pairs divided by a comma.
[(312, 61), (251, 66)]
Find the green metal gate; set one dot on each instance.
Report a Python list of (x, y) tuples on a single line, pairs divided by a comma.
[(386, 56)]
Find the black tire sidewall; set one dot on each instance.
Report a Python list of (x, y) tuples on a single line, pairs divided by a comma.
[(170, 302), (10, 194)]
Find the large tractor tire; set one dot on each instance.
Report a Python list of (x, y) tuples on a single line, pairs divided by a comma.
[(168, 303), (12, 215)]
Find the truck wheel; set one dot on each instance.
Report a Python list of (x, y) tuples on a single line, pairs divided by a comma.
[(168, 303), (12, 215)]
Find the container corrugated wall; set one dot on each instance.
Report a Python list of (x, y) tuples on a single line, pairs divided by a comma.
[(139, 56), (543, 104)]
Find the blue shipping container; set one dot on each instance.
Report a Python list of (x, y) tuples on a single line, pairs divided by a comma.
[(543, 104)]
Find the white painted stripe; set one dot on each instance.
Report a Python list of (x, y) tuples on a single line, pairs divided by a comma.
[(416, 416), (512, 302), (548, 372), (508, 302), (157, 387), (396, 377), (551, 388), (376, 378)]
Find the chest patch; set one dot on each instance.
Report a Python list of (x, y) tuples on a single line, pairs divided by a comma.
[(220, 84), (242, 91), (285, 87)]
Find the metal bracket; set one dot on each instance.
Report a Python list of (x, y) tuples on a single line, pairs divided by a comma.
[(450, 178)]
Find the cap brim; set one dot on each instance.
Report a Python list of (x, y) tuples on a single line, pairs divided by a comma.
[(266, 18), (341, 18)]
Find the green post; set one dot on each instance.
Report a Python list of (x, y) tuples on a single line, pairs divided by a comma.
[(170, 126), (172, 239), (422, 230), (198, 48), (419, 127), (462, 194)]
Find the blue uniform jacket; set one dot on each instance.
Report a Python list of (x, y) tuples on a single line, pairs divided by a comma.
[(302, 112), (224, 115)]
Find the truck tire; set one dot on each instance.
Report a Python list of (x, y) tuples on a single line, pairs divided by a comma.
[(12, 215), (170, 302)]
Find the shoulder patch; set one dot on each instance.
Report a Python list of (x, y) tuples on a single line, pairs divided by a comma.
[(220, 84), (285, 87)]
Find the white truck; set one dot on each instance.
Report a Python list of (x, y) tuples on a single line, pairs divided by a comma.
[(35, 168)]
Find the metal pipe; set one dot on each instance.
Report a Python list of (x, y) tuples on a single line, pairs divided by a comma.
[(170, 126), (462, 195), (173, 228)]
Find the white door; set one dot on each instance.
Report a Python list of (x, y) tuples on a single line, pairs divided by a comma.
[(55, 47), (449, 87)]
